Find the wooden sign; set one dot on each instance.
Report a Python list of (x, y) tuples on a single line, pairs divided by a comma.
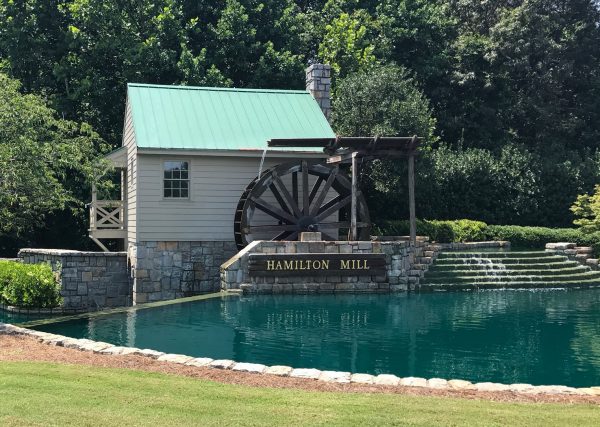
[(320, 264)]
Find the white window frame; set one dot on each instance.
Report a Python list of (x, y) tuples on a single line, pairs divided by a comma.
[(164, 179)]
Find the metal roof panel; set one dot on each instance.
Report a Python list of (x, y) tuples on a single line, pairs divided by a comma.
[(206, 118)]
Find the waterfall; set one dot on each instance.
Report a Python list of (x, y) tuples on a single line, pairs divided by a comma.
[(506, 269), (262, 161)]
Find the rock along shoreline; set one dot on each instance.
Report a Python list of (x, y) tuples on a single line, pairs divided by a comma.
[(388, 380)]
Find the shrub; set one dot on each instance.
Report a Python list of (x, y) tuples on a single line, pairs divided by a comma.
[(464, 230), (28, 285), (537, 237), (440, 231)]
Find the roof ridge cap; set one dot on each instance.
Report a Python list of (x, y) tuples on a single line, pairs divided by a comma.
[(217, 89)]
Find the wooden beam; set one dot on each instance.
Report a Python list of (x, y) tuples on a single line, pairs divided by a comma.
[(411, 200), (353, 229)]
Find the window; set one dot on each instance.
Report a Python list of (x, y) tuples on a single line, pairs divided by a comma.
[(177, 180)]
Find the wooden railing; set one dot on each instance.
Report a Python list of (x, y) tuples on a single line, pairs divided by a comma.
[(107, 215), (107, 221)]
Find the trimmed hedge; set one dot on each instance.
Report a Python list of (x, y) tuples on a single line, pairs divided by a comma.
[(467, 230), (463, 230), (28, 285), (537, 237)]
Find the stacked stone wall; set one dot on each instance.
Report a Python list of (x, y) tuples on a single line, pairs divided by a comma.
[(318, 83), (404, 267), (176, 269), (89, 280), (582, 254)]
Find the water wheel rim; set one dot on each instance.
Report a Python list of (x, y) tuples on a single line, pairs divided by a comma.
[(303, 207)]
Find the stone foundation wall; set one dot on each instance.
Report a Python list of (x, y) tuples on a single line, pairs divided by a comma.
[(404, 267), (89, 280), (168, 270)]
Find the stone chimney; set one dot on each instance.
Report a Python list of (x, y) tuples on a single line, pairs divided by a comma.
[(318, 83)]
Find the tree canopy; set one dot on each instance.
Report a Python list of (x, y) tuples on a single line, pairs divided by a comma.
[(43, 161), (488, 80)]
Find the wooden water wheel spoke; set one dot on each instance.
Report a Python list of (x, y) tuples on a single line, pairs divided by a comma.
[(336, 207), (273, 211), (296, 209), (286, 235), (315, 189), (279, 198), (295, 187), (273, 228), (321, 197), (329, 204), (343, 224), (292, 236), (305, 195), (287, 196)]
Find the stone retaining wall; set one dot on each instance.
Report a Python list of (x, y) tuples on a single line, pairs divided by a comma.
[(89, 280), (404, 266), (168, 270), (581, 254)]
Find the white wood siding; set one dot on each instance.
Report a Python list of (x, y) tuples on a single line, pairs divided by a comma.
[(131, 187), (216, 184)]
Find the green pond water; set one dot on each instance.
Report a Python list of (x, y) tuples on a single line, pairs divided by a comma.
[(538, 337), (7, 317)]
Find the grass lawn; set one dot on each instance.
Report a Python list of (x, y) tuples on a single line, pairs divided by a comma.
[(54, 394)]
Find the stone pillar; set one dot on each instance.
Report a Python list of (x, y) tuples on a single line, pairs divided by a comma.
[(318, 83)]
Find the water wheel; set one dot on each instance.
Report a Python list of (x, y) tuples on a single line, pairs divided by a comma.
[(298, 196)]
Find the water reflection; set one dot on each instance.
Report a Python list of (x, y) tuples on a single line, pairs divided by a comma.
[(505, 336)]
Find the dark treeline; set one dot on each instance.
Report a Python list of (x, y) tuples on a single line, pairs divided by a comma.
[(509, 89)]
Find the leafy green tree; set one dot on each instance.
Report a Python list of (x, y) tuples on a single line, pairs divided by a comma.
[(417, 34), (382, 101), (347, 45), (587, 211), (546, 55), (42, 159)]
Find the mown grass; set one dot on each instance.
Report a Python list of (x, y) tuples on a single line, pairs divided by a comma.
[(44, 394)]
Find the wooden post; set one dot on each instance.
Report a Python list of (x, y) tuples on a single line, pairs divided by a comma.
[(353, 228), (93, 208), (411, 199)]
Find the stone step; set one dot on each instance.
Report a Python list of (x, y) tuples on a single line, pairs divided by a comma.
[(450, 279), (524, 272), (437, 266), (494, 255), (594, 283), (504, 260)]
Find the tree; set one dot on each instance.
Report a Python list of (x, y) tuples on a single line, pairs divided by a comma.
[(347, 45), (382, 101), (587, 211), (42, 161), (546, 56)]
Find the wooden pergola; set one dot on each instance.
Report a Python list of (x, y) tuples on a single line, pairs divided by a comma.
[(349, 150)]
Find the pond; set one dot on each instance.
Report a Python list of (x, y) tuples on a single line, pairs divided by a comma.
[(537, 337), (8, 317)]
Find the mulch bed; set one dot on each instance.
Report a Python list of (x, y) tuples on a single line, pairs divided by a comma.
[(23, 348)]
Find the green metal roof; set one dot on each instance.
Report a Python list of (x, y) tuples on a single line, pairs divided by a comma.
[(206, 118)]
